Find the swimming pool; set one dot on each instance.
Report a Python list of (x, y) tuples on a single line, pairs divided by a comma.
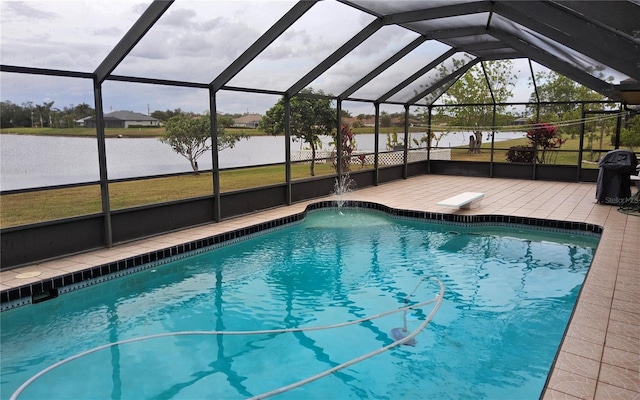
[(509, 292)]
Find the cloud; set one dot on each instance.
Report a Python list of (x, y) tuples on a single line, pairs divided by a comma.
[(179, 18), (21, 10), (288, 45), (67, 35), (44, 53), (109, 32), (22, 88), (189, 45)]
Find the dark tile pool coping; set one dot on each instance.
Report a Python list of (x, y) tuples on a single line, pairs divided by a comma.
[(49, 288)]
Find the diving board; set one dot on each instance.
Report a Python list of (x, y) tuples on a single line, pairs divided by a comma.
[(466, 200)]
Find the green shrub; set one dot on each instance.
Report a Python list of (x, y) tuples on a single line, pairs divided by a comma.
[(520, 154)]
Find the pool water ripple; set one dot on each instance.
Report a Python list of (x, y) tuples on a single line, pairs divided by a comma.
[(506, 305)]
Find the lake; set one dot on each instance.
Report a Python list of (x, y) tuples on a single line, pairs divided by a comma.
[(36, 161)]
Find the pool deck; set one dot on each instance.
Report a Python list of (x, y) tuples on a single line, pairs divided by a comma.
[(600, 353)]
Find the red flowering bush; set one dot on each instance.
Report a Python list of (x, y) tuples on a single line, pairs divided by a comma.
[(543, 137), (348, 146)]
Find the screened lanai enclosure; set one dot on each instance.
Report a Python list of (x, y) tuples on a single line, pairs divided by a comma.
[(443, 87)]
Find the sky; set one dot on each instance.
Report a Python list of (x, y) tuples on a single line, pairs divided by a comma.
[(195, 41)]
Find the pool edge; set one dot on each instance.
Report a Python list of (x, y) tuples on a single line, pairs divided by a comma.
[(49, 288)]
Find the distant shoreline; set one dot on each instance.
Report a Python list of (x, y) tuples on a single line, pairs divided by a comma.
[(158, 132), (134, 133)]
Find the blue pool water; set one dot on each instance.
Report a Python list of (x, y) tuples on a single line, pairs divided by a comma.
[(509, 293)]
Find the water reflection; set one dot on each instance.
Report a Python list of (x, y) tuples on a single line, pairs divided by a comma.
[(35, 161)]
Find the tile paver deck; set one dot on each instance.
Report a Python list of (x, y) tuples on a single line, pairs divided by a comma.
[(600, 354)]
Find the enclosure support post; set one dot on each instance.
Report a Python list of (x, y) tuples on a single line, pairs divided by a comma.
[(213, 113), (535, 90), (339, 156), (581, 147), (535, 147), (618, 126), (376, 144), (493, 141), (405, 167), (287, 145), (429, 135), (102, 163), (493, 118)]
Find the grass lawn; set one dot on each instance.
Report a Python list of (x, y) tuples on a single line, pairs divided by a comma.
[(46, 205), (566, 155)]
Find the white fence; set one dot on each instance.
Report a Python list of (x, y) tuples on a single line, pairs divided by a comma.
[(387, 158)]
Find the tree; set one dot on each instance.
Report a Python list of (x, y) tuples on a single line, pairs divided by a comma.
[(472, 89), (189, 137), (29, 115), (83, 110), (563, 94), (475, 142), (64, 118), (310, 118), (385, 119), (43, 113), (345, 113), (165, 116), (630, 136), (13, 115), (225, 120), (559, 88)]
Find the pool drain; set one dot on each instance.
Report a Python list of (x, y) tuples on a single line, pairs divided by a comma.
[(402, 333)]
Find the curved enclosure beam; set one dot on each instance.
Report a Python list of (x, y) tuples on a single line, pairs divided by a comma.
[(558, 65), (574, 32), (446, 11)]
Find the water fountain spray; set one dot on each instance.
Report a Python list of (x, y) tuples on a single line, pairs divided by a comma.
[(343, 186)]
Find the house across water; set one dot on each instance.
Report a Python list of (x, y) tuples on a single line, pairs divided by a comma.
[(123, 119)]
